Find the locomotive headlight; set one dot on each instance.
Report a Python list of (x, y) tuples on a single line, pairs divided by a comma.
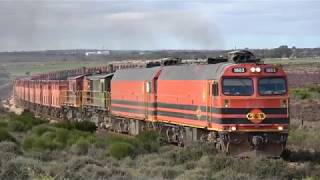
[(280, 128), (255, 69), (284, 103), (226, 103), (233, 128)]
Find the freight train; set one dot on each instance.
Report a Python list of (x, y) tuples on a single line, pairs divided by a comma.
[(238, 104)]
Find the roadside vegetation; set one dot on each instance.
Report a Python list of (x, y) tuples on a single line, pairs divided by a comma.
[(305, 93), (32, 148), (66, 150)]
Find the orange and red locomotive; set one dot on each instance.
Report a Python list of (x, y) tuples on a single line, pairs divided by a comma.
[(240, 106)]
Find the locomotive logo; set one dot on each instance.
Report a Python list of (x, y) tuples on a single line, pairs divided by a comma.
[(256, 116)]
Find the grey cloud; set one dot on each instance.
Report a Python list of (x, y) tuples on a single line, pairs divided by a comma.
[(116, 26), (143, 24)]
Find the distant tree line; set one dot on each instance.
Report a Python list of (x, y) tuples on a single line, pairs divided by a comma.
[(285, 52), (79, 54)]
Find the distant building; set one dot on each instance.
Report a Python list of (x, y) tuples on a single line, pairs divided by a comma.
[(104, 52)]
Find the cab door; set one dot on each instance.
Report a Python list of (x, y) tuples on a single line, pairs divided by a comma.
[(214, 99)]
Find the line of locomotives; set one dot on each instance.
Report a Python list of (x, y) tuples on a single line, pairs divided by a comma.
[(239, 104)]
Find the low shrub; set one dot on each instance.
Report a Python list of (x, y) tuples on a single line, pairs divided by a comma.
[(85, 126), (268, 168), (75, 168), (96, 152), (120, 150), (92, 171), (231, 174), (194, 174), (150, 141), (315, 89), (190, 153), (312, 92), (22, 168), (23, 122), (115, 138), (10, 147), (27, 143), (39, 130), (16, 126), (46, 137), (304, 138), (302, 156), (6, 136), (3, 124), (29, 119), (300, 93), (170, 172), (81, 146), (82, 125)]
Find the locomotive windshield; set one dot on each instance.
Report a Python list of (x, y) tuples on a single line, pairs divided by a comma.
[(237, 87), (272, 86)]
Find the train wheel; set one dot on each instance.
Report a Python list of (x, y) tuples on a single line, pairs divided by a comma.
[(221, 145)]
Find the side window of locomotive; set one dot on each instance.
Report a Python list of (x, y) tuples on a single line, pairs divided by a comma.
[(237, 87), (73, 86), (272, 86), (215, 89)]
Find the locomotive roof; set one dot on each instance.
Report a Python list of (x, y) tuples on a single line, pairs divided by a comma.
[(76, 77), (136, 74), (193, 71), (100, 76)]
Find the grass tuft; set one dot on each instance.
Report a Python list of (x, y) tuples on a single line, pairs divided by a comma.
[(121, 149)]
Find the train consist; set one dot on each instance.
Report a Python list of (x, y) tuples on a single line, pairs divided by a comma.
[(238, 103)]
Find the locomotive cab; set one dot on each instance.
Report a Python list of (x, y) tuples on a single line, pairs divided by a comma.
[(253, 99)]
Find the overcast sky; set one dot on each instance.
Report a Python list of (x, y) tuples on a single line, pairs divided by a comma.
[(160, 24)]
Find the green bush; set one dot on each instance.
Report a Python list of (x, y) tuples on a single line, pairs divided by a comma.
[(300, 93), (64, 125), (312, 92), (23, 122), (85, 126), (16, 126), (6, 136), (82, 125), (29, 119), (315, 89), (115, 138), (28, 143), (150, 141), (3, 124), (120, 150), (46, 137), (304, 138), (302, 156), (305, 95), (191, 153), (39, 130), (81, 146)]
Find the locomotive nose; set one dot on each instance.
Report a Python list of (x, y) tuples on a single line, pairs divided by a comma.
[(256, 116)]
